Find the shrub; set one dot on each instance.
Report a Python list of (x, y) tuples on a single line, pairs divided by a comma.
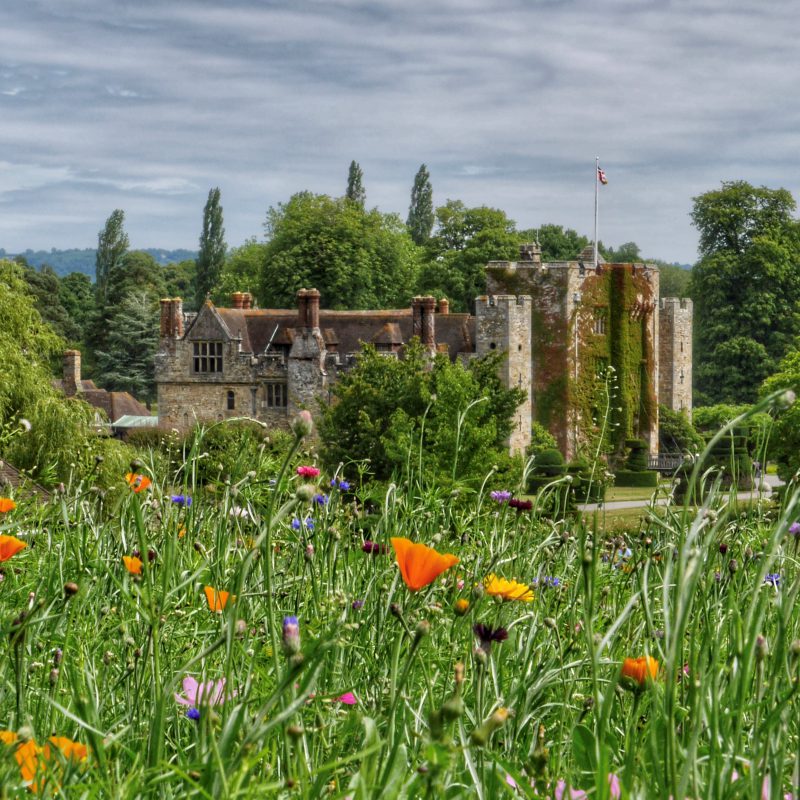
[(631, 478)]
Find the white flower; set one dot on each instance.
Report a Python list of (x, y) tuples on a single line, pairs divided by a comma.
[(25, 424)]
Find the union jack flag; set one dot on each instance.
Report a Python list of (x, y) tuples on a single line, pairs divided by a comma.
[(601, 176)]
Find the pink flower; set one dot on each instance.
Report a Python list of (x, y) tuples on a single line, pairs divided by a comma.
[(348, 699), (615, 790), (211, 693), (307, 472)]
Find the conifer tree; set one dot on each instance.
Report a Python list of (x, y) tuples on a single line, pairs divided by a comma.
[(420, 212), (355, 184), (211, 257), (112, 244)]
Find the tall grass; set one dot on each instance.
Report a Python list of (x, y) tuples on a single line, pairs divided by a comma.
[(435, 714)]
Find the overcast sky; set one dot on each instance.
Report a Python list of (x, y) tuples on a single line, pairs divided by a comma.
[(146, 105)]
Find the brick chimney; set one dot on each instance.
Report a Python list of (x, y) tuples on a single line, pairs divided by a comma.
[(312, 308), (422, 314), (171, 318), (444, 306), (302, 308), (247, 301), (237, 300), (72, 373)]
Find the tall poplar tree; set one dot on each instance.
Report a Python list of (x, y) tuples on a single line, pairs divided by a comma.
[(420, 212), (355, 184), (112, 244), (211, 257)]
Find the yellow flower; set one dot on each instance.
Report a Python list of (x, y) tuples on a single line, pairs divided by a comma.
[(461, 606), (508, 590)]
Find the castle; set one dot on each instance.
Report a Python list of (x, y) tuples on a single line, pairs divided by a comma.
[(562, 325)]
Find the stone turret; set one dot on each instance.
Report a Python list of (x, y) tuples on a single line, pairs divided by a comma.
[(675, 353)]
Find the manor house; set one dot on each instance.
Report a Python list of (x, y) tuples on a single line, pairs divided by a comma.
[(562, 325)]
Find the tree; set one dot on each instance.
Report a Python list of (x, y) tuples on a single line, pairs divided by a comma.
[(45, 288), (627, 253), (136, 272), (673, 280), (785, 438), (676, 432), (179, 280), (78, 298), (356, 258), (127, 364), (386, 409), (557, 243), (746, 288), (355, 184), (211, 257), (420, 212), (242, 271), (465, 239), (112, 244)]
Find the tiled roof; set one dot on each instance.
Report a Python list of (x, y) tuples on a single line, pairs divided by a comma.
[(11, 477)]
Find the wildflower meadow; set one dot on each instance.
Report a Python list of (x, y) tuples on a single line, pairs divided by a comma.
[(288, 631)]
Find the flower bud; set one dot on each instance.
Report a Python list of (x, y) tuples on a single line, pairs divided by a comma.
[(302, 424), (70, 589), (291, 635), (305, 492)]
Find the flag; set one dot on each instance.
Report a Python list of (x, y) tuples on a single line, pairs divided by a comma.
[(601, 176)]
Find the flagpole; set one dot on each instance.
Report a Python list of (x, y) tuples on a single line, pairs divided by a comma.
[(596, 204)]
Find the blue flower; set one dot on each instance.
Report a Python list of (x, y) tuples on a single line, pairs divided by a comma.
[(193, 713), (501, 496), (343, 485), (321, 499), (774, 579), (181, 500), (307, 523)]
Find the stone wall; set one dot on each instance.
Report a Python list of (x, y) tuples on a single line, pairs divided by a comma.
[(675, 354), (503, 324)]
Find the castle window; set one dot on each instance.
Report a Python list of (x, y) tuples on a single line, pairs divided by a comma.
[(681, 345), (600, 321), (276, 395), (231, 400), (207, 357)]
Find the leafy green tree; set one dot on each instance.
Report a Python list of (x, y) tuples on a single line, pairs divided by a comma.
[(785, 438), (676, 432), (673, 280), (385, 409), (211, 258), (356, 258), (746, 288), (627, 253), (242, 271), (557, 243), (136, 272), (420, 212), (77, 295), (179, 279), (464, 240), (127, 364), (46, 289), (355, 184), (112, 244)]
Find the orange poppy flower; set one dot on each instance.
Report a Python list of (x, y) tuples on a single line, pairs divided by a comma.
[(6, 504), (10, 546), (420, 565), (133, 564), (31, 758), (217, 598), (508, 590), (69, 749), (138, 482), (640, 670)]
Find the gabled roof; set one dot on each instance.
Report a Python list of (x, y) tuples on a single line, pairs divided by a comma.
[(11, 477)]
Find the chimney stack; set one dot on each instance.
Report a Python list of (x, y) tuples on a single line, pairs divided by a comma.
[(247, 301), (72, 373), (171, 318), (312, 300), (302, 308), (237, 300), (422, 314), (444, 306)]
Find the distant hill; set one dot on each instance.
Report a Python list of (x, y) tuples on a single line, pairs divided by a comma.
[(66, 261)]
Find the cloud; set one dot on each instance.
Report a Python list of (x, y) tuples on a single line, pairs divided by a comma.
[(507, 103)]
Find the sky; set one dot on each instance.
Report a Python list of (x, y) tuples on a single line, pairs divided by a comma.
[(145, 106)]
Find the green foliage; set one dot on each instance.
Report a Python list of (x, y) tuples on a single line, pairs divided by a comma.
[(242, 271), (355, 184), (450, 419), (627, 253), (785, 438), (637, 455), (549, 462), (746, 288), (356, 258), (112, 244), (420, 212), (557, 243), (136, 271), (541, 439), (707, 420), (45, 287), (77, 296), (211, 256), (464, 240), (179, 280), (674, 281), (127, 362), (643, 478), (676, 433)]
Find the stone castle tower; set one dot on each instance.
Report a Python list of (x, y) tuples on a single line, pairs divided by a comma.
[(675, 354)]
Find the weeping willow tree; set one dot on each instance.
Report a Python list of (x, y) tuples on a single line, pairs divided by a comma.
[(40, 430)]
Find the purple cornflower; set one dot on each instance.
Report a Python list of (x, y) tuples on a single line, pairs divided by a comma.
[(500, 496), (291, 635), (181, 500), (486, 635), (547, 581), (342, 485), (794, 529), (307, 523), (358, 605), (773, 578), (193, 714), (321, 499), (374, 548)]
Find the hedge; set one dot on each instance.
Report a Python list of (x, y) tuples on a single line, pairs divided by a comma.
[(629, 478)]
